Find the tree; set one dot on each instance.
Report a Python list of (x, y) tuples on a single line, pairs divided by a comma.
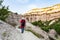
[(3, 12), (1, 2)]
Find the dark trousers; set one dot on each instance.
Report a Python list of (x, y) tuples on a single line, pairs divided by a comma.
[(22, 30)]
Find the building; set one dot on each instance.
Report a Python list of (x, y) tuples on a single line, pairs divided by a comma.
[(43, 14)]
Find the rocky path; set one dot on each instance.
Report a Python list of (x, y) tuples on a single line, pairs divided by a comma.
[(28, 36)]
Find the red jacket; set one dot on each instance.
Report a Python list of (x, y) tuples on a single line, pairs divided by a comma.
[(21, 23)]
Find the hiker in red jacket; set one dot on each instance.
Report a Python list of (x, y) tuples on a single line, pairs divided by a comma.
[(22, 22)]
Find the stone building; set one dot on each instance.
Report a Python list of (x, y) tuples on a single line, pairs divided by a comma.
[(43, 14)]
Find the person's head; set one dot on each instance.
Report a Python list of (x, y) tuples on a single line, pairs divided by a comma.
[(22, 18)]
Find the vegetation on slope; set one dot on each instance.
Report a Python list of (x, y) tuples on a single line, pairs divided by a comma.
[(3, 11), (46, 27)]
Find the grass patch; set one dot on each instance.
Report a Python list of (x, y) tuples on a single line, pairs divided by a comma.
[(4, 34), (58, 38)]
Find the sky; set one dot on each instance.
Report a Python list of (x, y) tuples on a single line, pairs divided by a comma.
[(22, 6)]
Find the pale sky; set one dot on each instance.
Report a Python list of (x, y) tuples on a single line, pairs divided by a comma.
[(22, 6)]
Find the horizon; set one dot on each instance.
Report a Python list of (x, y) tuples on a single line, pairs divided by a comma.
[(22, 6)]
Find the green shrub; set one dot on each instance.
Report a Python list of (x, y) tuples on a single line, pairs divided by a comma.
[(3, 11), (45, 28), (42, 25), (45, 25), (57, 27), (35, 23)]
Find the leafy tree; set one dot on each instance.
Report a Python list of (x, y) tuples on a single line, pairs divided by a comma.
[(1, 2), (3, 12)]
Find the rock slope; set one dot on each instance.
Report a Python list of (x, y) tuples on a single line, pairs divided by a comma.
[(8, 32)]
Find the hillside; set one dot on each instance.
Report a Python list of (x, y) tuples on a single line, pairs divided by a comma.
[(43, 14), (46, 9)]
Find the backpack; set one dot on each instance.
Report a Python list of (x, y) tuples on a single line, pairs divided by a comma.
[(23, 22)]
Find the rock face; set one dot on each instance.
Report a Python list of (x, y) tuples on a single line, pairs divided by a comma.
[(8, 32), (13, 19), (37, 30), (51, 35), (37, 14)]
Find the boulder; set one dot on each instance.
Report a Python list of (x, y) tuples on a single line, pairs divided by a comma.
[(13, 19), (52, 34), (8, 32)]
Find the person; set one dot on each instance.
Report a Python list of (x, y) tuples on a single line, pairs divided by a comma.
[(22, 22)]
